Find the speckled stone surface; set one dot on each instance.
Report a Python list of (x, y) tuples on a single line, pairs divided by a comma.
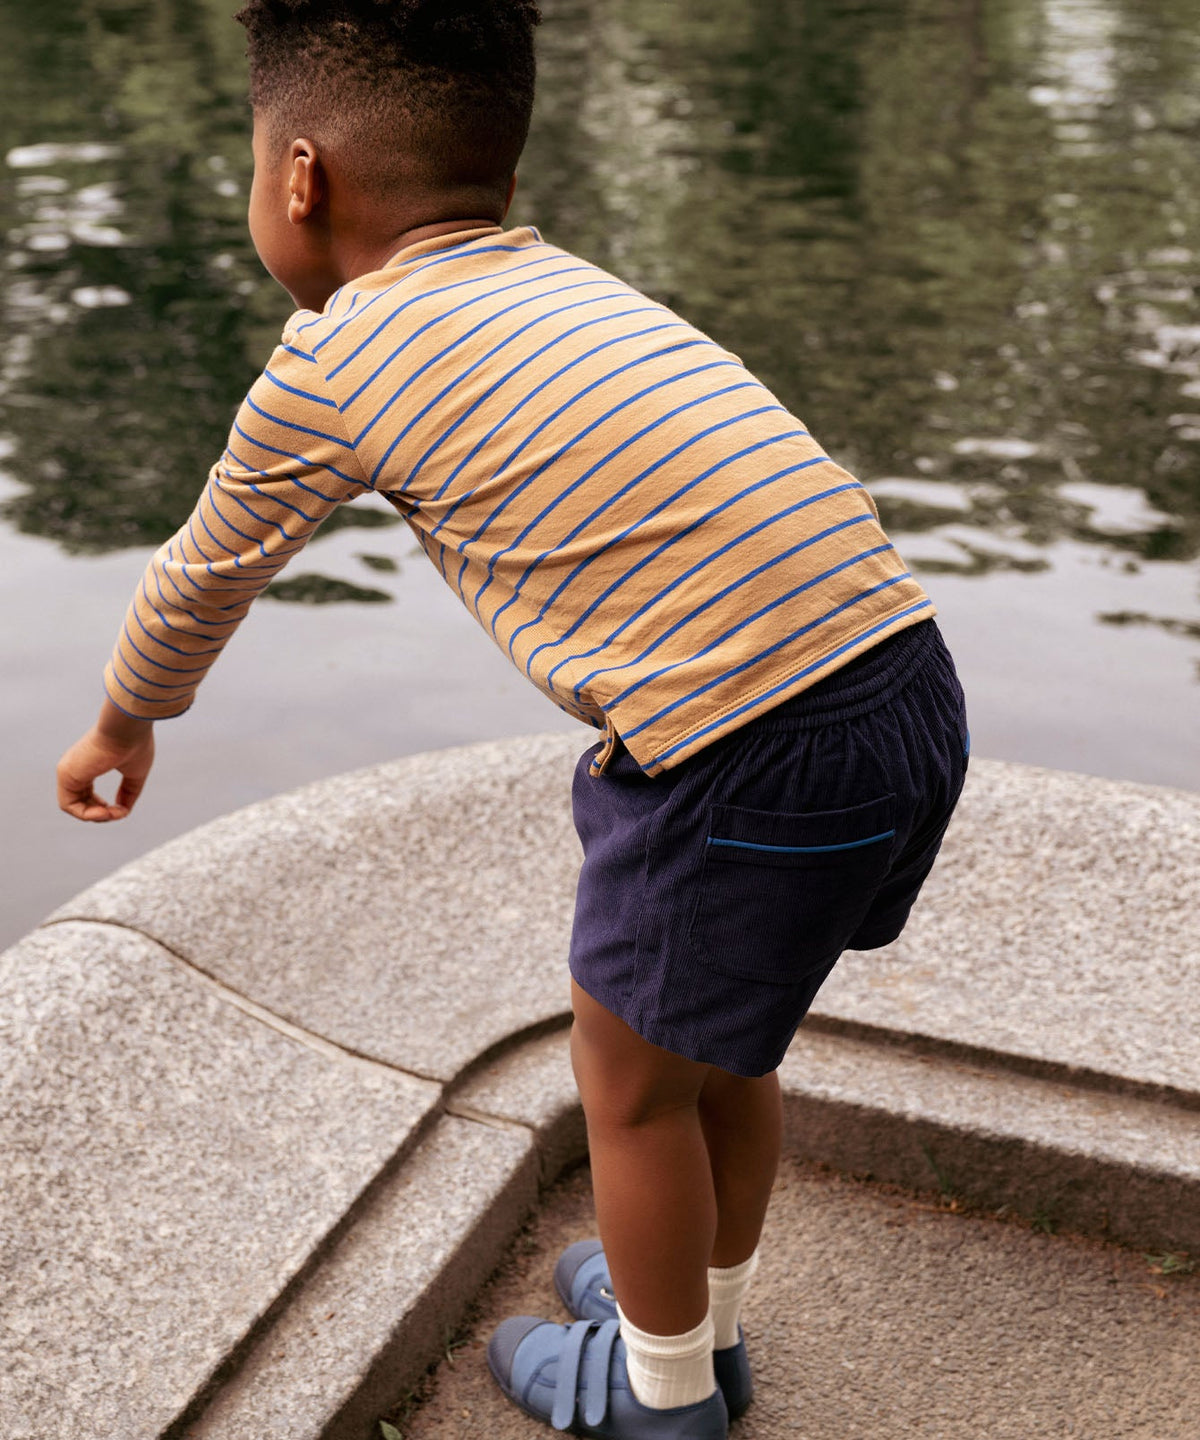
[(418, 912), (379, 1306), (879, 1315), (1110, 1164), (534, 1086), (1061, 923), (170, 1165)]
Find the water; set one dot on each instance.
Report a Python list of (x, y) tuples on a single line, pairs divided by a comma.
[(960, 238)]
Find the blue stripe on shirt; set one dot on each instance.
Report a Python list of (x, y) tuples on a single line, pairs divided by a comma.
[(579, 435), (611, 455), (309, 464), (142, 699), (266, 494), (768, 695), (206, 562), (424, 295), (158, 665), (617, 495), (303, 429), (155, 684), (790, 639), (459, 253), (723, 594), (262, 519), (174, 649), (693, 570), (446, 431), (174, 629), (413, 336), (292, 390), (537, 389), (164, 568), (441, 355), (492, 390), (185, 600)]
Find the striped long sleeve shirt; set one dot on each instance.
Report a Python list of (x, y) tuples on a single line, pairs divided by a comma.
[(634, 519)]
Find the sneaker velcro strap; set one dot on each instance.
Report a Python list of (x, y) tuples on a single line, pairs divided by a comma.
[(596, 1363), (566, 1385)]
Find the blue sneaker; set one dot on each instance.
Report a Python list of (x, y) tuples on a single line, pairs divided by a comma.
[(574, 1378), (584, 1286)]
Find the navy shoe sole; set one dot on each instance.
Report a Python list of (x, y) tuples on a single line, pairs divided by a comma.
[(590, 1393)]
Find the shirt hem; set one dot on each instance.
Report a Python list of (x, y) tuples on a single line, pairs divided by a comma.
[(892, 623)]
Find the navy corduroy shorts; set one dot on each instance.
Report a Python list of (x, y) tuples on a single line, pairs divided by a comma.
[(715, 898)]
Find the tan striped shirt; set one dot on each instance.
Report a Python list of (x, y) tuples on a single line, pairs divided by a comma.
[(637, 522)]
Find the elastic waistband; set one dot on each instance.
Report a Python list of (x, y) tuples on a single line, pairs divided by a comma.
[(864, 684)]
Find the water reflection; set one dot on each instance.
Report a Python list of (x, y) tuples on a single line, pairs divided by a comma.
[(953, 236), (956, 236)]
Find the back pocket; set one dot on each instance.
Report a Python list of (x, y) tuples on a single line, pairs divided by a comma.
[(781, 894)]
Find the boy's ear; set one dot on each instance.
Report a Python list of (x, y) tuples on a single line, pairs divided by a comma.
[(306, 185), (512, 190)]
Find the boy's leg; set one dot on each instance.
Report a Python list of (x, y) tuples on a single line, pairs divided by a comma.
[(683, 1157), (742, 1122)]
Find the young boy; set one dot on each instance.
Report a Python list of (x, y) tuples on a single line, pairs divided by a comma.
[(660, 547)]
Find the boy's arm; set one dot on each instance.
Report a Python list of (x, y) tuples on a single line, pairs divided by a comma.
[(288, 464)]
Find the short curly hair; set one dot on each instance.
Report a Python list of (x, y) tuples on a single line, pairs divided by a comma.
[(436, 92)]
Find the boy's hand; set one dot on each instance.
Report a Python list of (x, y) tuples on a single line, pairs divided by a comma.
[(115, 742)]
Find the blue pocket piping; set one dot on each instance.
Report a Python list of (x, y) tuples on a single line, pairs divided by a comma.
[(803, 849)]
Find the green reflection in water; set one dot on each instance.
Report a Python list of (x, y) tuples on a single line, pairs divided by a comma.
[(384, 563), (310, 589), (951, 234), (956, 236), (136, 311)]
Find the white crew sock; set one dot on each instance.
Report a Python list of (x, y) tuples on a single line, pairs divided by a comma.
[(669, 1370), (726, 1291)]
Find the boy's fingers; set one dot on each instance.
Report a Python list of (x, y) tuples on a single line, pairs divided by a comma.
[(73, 793), (94, 811), (82, 802), (131, 787), (78, 798), (90, 758)]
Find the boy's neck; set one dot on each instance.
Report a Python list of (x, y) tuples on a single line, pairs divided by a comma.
[(350, 254), (430, 231), (363, 233)]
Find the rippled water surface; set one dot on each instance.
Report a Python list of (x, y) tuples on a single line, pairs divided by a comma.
[(961, 238)]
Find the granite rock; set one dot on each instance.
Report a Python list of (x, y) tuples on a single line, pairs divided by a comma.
[(171, 1166), (1060, 925), (418, 912), (1083, 1158), (534, 1086), (381, 1304)]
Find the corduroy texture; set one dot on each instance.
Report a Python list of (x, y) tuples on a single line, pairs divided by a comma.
[(715, 899), (635, 520)]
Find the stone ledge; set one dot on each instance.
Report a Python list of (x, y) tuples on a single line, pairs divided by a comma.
[(341, 907), (1055, 892), (1123, 1168), (172, 1166), (532, 1086), (382, 1304), (1060, 926)]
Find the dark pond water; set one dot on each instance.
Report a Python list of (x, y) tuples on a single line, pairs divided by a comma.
[(961, 238)]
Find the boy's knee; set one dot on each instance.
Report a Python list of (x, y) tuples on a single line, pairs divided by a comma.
[(625, 1081)]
